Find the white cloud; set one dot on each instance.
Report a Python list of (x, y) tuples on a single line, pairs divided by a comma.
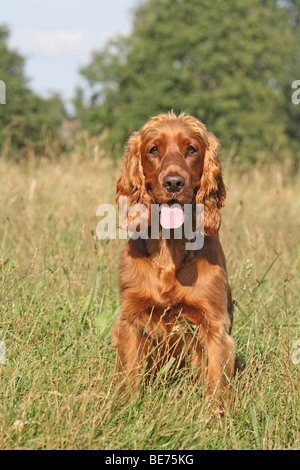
[(60, 43)]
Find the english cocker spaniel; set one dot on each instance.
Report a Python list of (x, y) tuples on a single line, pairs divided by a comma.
[(175, 297)]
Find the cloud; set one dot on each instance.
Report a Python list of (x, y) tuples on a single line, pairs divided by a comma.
[(60, 43)]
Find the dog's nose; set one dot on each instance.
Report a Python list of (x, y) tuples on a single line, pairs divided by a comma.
[(173, 183)]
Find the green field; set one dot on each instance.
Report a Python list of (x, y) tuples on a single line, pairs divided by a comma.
[(59, 296)]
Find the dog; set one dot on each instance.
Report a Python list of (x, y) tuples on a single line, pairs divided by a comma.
[(174, 302)]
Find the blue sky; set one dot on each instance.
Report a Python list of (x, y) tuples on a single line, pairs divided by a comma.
[(57, 37)]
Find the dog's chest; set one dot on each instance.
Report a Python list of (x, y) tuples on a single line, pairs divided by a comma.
[(171, 286)]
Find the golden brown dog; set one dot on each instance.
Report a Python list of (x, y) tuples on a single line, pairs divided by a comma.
[(174, 302)]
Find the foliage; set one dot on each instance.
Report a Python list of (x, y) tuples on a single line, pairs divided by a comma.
[(25, 117), (231, 64)]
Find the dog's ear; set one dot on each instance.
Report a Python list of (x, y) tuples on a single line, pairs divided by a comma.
[(212, 191), (131, 184)]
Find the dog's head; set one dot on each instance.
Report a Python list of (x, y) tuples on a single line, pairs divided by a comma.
[(174, 160)]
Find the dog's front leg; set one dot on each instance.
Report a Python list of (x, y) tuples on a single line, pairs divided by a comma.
[(221, 359), (132, 355)]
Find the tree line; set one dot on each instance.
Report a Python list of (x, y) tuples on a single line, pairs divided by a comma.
[(229, 63)]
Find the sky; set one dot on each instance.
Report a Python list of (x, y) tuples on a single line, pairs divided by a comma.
[(57, 37)]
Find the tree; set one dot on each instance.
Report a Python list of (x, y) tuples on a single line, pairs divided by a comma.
[(25, 117), (290, 74), (221, 61)]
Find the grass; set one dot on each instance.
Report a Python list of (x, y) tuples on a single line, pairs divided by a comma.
[(59, 295)]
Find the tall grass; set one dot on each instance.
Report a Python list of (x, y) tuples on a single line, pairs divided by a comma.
[(59, 295)]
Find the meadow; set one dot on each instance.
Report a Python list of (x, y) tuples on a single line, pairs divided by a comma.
[(59, 296)]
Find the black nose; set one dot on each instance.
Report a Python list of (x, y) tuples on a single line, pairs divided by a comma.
[(173, 183)]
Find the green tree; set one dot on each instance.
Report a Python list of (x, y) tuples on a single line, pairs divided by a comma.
[(291, 73), (226, 62), (26, 117)]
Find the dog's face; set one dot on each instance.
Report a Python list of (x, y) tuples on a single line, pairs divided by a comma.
[(172, 158)]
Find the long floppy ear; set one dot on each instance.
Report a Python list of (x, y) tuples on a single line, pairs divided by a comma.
[(212, 191), (131, 184)]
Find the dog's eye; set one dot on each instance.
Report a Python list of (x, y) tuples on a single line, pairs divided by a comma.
[(190, 150), (153, 151)]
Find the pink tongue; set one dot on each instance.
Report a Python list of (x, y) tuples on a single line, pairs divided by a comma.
[(171, 217)]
